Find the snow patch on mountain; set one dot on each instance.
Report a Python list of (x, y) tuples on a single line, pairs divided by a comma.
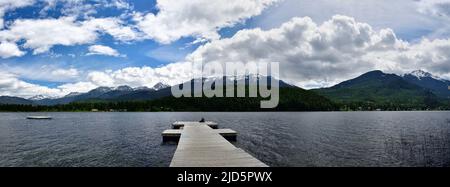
[(420, 74), (39, 97), (160, 85)]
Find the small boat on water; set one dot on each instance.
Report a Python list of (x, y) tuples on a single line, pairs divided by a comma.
[(39, 117)]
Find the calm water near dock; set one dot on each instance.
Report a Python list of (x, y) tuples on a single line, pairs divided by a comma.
[(277, 138)]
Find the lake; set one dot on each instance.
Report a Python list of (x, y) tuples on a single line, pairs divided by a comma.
[(276, 138)]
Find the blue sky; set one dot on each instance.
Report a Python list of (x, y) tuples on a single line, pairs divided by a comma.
[(138, 53), (53, 47)]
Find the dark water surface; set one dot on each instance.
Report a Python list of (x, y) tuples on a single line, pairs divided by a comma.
[(278, 139)]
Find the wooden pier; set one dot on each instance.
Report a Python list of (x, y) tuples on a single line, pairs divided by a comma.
[(180, 124), (200, 145), (175, 134)]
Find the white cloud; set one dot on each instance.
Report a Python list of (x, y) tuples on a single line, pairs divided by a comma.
[(80, 87), (120, 4), (103, 50), (429, 55), (8, 50), (143, 76), (65, 89), (43, 72), (42, 34), (7, 5), (83, 8), (69, 73), (12, 86), (174, 20), (402, 16), (100, 78), (200, 18), (312, 55), (172, 74), (439, 12), (438, 8), (70, 8), (114, 27)]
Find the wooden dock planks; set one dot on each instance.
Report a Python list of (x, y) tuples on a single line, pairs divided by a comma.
[(180, 124), (174, 134), (202, 146)]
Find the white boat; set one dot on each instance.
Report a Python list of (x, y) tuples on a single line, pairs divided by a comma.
[(39, 117)]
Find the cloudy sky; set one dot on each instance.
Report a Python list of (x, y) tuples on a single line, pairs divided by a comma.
[(54, 47)]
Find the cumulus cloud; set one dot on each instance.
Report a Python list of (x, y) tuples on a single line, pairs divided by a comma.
[(174, 73), (80, 87), (439, 8), (310, 55), (438, 11), (316, 55), (69, 73), (175, 19), (429, 55), (7, 5), (200, 18), (114, 27), (42, 34), (8, 50), (103, 50), (120, 4), (43, 72), (82, 8), (132, 76), (11, 85)]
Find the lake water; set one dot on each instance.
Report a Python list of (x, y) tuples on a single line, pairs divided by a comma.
[(277, 139)]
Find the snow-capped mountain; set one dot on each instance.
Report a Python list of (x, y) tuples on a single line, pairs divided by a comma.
[(420, 74), (41, 97), (418, 82), (102, 89), (38, 97), (123, 88), (72, 94), (160, 85), (251, 79), (426, 80), (142, 88)]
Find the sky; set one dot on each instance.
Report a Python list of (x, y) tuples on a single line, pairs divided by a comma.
[(55, 47)]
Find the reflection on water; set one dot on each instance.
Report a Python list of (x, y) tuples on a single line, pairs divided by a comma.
[(278, 139)]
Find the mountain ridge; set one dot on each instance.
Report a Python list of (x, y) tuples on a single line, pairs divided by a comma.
[(381, 90), (417, 89), (437, 85), (126, 93)]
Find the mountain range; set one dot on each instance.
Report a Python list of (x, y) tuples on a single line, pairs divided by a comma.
[(417, 89), (126, 93), (104, 93), (439, 86), (375, 89)]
